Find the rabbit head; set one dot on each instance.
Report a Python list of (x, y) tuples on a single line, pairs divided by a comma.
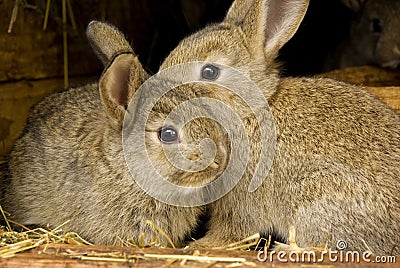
[(374, 35), (243, 42), (180, 152)]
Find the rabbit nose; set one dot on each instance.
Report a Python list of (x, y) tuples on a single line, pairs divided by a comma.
[(395, 63), (214, 165), (396, 50), (193, 157)]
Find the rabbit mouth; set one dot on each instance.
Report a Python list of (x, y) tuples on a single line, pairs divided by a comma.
[(208, 174), (393, 63)]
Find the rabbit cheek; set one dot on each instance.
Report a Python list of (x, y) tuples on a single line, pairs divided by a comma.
[(387, 54)]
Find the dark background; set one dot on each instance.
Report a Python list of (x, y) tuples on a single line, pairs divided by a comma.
[(154, 28)]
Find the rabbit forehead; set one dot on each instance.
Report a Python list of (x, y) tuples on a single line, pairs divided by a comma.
[(178, 95), (218, 43), (381, 6), (385, 10)]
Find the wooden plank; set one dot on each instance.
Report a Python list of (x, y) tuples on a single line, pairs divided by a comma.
[(62, 256), (389, 95), (366, 76)]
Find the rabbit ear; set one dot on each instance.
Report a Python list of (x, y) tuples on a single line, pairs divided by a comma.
[(119, 83), (107, 41), (123, 74), (268, 24)]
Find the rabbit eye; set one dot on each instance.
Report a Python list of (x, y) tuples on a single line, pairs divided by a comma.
[(210, 72), (376, 26), (168, 135)]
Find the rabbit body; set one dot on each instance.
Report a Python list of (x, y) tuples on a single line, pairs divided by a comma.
[(335, 174), (69, 166)]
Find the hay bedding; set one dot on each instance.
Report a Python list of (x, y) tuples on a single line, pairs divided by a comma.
[(70, 245), (43, 247)]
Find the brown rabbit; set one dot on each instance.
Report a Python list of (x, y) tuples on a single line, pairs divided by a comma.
[(335, 174), (69, 162)]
